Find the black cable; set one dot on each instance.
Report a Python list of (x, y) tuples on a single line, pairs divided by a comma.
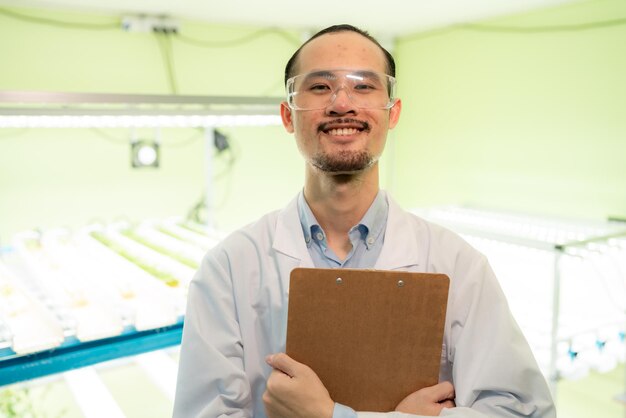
[(262, 32), (185, 142), (125, 141), (59, 23), (108, 137), (477, 27), (236, 42), (544, 29), (196, 211), (227, 174), (165, 46), (230, 163), (117, 24)]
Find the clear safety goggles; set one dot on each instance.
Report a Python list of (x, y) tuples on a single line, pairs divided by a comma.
[(318, 89)]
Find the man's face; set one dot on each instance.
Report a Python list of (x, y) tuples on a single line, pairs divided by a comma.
[(341, 137)]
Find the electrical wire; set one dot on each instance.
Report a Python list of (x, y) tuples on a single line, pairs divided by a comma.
[(165, 46), (198, 211), (186, 142), (227, 175), (545, 29), (230, 163), (60, 23), (186, 39), (531, 30), (108, 137), (168, 144), (239, 41), (267, 31), (117, 25), (163, 40)]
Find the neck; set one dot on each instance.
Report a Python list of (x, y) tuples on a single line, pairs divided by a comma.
[(340, 201)]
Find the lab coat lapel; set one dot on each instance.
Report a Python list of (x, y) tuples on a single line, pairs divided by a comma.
[(289, 240), (401, 250)]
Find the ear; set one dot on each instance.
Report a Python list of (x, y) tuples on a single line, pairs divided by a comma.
[(394, 114), (286, 116)]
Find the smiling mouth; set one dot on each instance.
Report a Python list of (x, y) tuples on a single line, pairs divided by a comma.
[(342, 131), (343, 127)]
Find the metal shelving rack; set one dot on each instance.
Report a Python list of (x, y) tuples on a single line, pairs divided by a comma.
[(73, 354), (39, 109), (572, 240)]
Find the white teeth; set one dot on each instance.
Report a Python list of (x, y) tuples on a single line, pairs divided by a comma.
[(343, 131)]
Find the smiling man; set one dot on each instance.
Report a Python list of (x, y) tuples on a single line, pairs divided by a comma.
[(340, 106)]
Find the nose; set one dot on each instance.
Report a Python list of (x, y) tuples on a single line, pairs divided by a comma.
[(341, 103)]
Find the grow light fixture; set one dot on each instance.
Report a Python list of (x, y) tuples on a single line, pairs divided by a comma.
[(28, 109)]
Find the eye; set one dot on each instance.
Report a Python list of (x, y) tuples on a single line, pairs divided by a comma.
[(365, 88), (319, 88)]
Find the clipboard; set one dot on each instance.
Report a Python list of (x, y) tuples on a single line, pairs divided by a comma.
[(372, 336)]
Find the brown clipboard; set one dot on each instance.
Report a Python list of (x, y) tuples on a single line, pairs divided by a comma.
[(372, 336)]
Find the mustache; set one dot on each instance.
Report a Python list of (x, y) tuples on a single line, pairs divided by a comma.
[(324, 125)]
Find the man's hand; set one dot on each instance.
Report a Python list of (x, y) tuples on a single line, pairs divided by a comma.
[(294, 390), (428, 401)]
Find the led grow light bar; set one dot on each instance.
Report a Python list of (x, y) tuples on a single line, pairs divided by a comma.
[(28, 109)]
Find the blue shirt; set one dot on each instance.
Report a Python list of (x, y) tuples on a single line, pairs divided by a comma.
[(367, 236), (367, 239)]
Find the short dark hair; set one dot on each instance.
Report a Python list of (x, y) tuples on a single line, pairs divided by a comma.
[(391, 63)]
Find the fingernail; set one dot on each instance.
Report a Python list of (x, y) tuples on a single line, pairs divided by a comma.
[(269, 358)]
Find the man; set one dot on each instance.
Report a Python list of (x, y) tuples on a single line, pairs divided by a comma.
[(340, 106)]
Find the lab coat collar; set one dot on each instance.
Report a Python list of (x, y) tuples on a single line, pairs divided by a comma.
[(400, 251), (289, 238), (401, 248)]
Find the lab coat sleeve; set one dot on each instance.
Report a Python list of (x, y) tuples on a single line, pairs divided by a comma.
[(493, 369), (211, 379)]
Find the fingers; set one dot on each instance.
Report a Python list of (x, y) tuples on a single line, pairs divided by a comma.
[(441, 392), (429, 400), (448, 404), (294, 390), (283, 362)]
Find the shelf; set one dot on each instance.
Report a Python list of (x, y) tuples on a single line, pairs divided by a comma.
[(570, 272), (73, 354), (73, 286)]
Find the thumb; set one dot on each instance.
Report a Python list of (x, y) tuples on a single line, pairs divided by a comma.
[(442, 391), (282, 362)]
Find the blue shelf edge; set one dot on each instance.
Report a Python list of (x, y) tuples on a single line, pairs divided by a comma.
[(61, 359)]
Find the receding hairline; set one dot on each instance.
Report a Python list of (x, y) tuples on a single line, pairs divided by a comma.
[(297, 62), (294, 62)]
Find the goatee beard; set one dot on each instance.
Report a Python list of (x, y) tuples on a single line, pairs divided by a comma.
[(343, 161)]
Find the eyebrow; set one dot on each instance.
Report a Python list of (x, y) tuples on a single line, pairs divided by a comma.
[(328, 74), (316, 74)]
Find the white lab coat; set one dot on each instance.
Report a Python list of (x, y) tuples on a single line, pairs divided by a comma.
[(237, 314)]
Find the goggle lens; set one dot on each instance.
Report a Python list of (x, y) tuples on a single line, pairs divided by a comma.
[(319, 89)]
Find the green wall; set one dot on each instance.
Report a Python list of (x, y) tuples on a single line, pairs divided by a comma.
[(532, 122), (70, 177)]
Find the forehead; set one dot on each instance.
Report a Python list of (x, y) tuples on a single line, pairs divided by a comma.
[(341, 50)]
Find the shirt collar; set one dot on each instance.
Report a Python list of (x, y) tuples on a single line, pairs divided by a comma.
[(371, 225)]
